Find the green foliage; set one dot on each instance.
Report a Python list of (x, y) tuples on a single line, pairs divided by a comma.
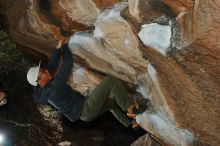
[(12, 63), (8, 49)]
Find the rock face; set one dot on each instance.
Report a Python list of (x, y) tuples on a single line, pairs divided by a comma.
[(177, 69), (108, 51), (156, 36), (146, 140)]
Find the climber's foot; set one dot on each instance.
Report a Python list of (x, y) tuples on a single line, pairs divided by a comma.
[(134, 110)]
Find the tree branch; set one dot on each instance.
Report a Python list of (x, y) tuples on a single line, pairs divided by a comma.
[(31, 127)]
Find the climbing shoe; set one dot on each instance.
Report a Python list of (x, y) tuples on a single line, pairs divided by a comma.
[(140, 109), (140, 103), (134, 110)]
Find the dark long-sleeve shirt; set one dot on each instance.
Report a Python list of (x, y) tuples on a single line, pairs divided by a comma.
[(57, 92)]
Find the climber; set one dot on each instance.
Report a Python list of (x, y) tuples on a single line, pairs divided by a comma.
[(52, 88)]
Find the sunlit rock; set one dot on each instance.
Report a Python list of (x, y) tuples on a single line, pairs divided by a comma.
[(150, 89), (75, 15), (111, 50), (134, 9), (99, 56), (164, 129), (159, 119), (156, 36), (116, 31), (103, 4), (83, 11)]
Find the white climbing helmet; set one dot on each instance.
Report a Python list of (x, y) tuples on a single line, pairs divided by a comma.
[(32, 75)]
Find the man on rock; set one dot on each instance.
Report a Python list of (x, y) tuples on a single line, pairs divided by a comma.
[(52, 88)]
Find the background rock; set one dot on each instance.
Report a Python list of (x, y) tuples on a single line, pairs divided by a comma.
[(156, 36), (146, 140)]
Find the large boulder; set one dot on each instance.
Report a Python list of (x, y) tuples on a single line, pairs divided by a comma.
[(180, 77), (110, 50)]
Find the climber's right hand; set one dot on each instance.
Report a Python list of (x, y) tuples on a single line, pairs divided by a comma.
[(59, 44)]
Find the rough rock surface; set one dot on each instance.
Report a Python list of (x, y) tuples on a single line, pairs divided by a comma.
[(122, 56), (146, 140), (83, 80), (183, 87)]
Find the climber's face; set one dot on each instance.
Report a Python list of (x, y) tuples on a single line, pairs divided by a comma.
[(43, 77)]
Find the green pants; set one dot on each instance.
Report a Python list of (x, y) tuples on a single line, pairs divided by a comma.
[(99, 101)]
